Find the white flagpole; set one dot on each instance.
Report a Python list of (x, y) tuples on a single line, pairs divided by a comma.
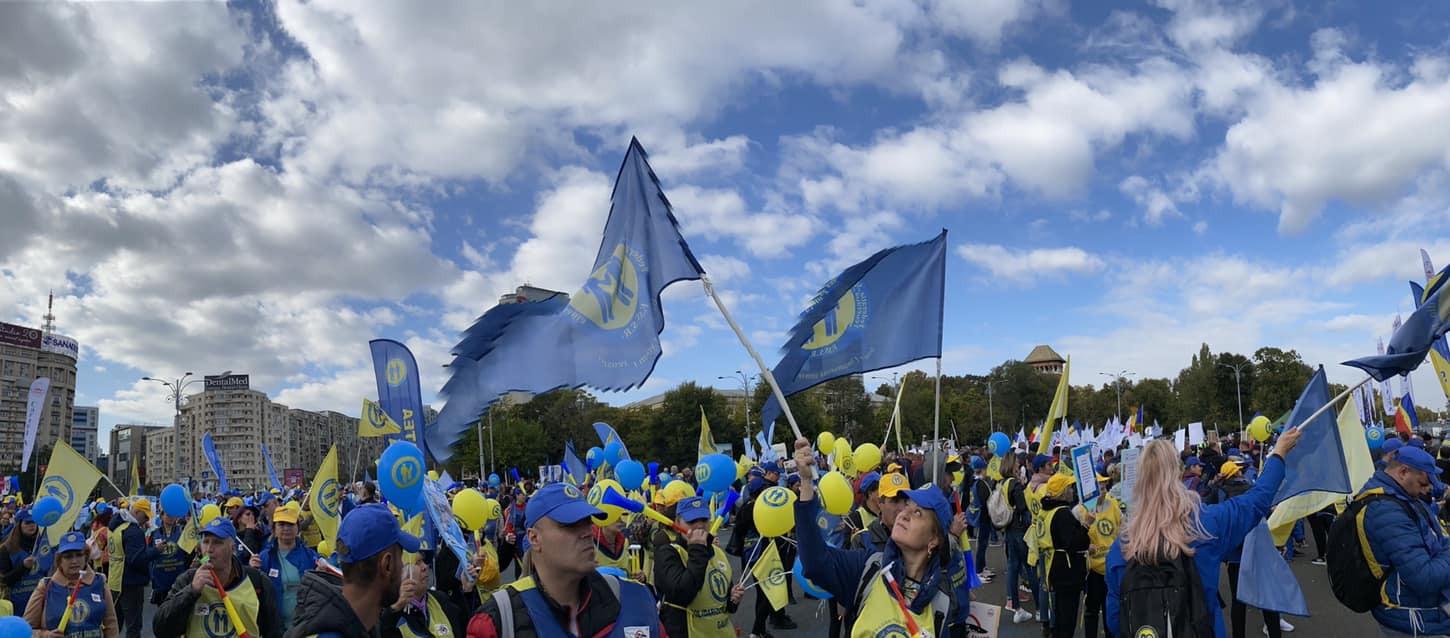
[(1330, 404), (764, 371), (936, 429)]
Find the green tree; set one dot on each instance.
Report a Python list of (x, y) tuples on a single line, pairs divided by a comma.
[(1280, 379)]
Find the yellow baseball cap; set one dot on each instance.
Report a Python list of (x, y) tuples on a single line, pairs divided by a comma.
[(1229, 468), (235, 501), (285, 515), (892, 484), (1057, 484)]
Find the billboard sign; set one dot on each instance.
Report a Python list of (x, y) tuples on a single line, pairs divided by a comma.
[(60, 344), (228, 382), (19, 336), (293, 477)]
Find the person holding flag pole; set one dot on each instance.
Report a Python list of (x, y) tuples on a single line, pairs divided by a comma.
[(73, 600)]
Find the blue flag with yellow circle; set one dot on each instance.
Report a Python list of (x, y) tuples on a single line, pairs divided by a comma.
[(882, 312), (399, 392), (605, 336)]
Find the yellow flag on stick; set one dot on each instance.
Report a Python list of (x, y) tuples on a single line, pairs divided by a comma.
[(1356, 459), (326, 497), (135, 476), (70, 478), (190, 534), (1056, 413), (771, 576), (375, 422), (707, 442)]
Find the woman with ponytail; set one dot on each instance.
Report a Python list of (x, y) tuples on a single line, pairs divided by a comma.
[(1169, 522)]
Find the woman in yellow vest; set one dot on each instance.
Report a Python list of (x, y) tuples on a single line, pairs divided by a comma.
[(419, 612), (900, 590), (92, 614), (692, 578), (1102, 522), (1062, 551), (195, 608), (611, 548)]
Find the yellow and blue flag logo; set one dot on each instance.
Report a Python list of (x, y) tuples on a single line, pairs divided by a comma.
[(375, 422)]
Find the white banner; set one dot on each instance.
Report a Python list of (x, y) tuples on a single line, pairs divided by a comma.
[(33, 407)]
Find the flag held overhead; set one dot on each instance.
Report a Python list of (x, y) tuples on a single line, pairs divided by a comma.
[(1415, 337)]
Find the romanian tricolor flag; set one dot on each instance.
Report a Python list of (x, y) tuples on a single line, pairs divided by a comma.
[(1405, 419)]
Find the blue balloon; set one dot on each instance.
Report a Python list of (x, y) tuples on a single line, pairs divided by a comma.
[(493, 480), (998, 444), (808, 587), (14, 627), (174, 501), (612, 452), (715, 473), (1374, 436), (594, 458), (400, 475), (47, 511), (630, 474), (665, 479)]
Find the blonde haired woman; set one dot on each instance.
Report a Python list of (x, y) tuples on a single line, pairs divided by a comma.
[(1169, 522)]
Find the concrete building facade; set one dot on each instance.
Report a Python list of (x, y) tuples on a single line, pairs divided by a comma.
[(84, 428), (27, 354)]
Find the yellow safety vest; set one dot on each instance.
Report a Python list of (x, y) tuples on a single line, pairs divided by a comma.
[(209, 616), (1103, 532), (867, 518), (311, 531), (621, 562), (880, 614), (1034, 506), (116, 550), (438, 626), (1045, 550), (707, 616)]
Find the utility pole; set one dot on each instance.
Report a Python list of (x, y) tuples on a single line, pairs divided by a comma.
[(1238, 389)]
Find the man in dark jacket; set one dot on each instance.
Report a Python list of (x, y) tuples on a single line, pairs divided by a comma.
[(687, 568), (196, 609), (1410, 546), (370, 546), (132, 558)]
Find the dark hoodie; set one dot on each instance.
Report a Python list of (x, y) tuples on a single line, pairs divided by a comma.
[(321, 609)]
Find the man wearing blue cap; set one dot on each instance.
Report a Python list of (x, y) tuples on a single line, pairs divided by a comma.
[(370, 547), (1387, 452), (565, 595), (1408, 544), (691, 575), (196, 609), (1193, 474)]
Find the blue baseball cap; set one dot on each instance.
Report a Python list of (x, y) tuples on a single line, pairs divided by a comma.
[(1418, 459), (265, 498), (928, 497), (71, 542), (1039, 461), (1192, 461), (1393, 444), (220, 527), (770, 467), (559, 502), (1233, 451), (792, 479), (692, 509), (869, 482), (978, 463), (368, 530), (1418, 442), (24, 515)]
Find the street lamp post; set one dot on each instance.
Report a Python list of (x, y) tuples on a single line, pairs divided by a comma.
[(991, 419), (744, 380), (1238, 389), (177, 387), (1117, 388)]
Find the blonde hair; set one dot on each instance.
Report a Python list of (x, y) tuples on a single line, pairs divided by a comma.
[(1165, 520)]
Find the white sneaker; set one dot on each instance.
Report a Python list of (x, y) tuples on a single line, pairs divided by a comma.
[(989, 571), (1021, 616), (1284, 625)]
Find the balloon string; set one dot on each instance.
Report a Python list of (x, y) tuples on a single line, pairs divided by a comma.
[(745, 566)]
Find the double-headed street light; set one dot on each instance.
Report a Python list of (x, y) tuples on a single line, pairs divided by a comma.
[(744, 380), (1238, 389), (1117, 388), (177, 387)]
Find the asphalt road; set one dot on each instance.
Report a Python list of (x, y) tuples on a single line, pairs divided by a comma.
[(1329, 619)]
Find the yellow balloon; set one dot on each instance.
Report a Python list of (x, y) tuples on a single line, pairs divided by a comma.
[(471, 508), (1259, 428), (432, 475), (740, 470), (826, 442), (492, 510), (209, 512), (843, 462), (324, 549), (775, 511), (866, 457), (835, 493), (596, 498)]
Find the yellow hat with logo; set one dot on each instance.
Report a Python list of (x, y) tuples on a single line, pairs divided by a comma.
[(892, 484)]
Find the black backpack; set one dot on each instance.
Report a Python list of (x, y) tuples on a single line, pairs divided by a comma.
[(1354, 577), (1165, 600)]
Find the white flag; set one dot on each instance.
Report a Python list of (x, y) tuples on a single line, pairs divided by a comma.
[(33, 407)]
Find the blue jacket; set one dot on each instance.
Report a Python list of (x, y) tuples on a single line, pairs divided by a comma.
[(302, 557), (1227, 524), (166, 562), (138, 556), (1417, 552)]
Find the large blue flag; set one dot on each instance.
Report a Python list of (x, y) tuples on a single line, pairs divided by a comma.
[(1266, 581), (575, 467), (1317, 462), (1414, 339), (271, 470), (399, 394), (209, 449), (607, 435), (879, 313), (606, 336)]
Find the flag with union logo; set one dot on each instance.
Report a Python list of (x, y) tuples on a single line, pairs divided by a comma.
[(1416, 337), (375, 422), (399, 392), (770, 573), (606, 336), (882, 312), (70, 478), (326, 496)]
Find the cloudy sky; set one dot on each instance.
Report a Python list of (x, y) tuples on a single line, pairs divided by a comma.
[(263, 187)]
